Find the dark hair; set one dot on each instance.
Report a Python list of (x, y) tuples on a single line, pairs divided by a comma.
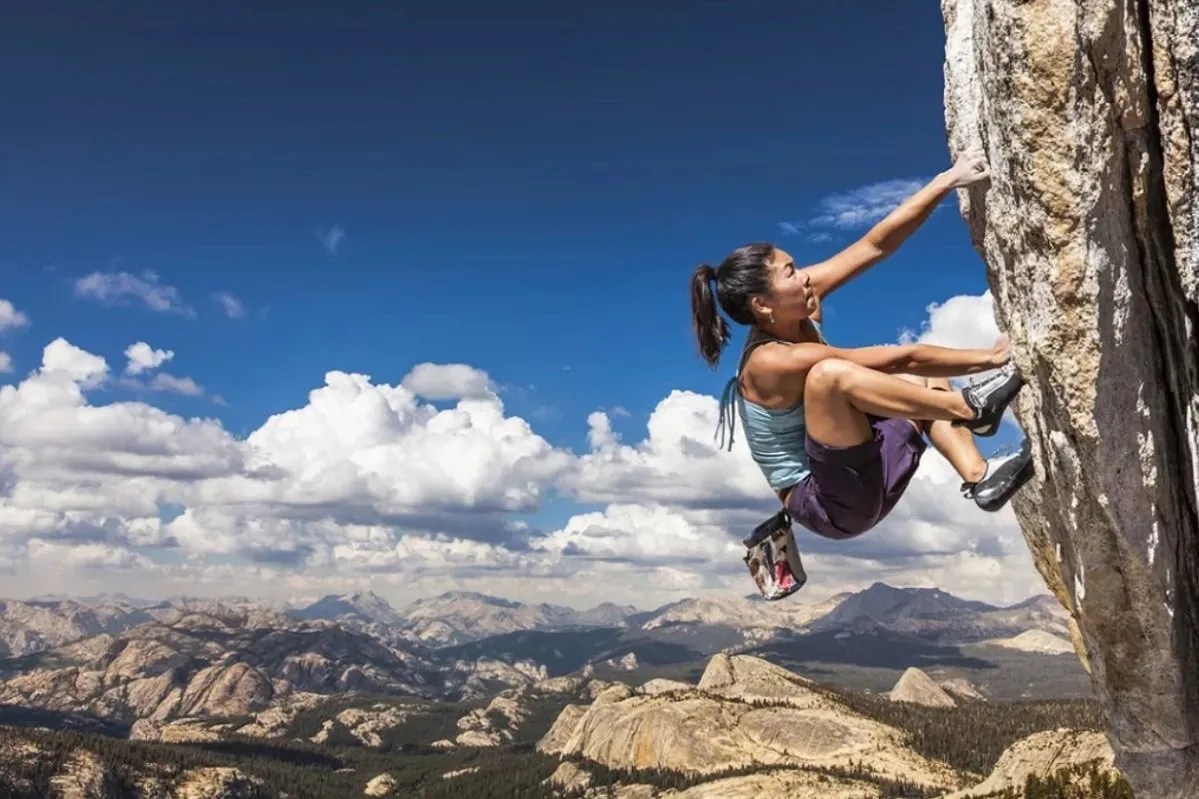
[(741, 275)]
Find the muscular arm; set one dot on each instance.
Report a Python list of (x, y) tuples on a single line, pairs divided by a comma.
[(927, 360), (893, 230)]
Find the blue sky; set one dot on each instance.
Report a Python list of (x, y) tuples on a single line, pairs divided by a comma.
[(522, 187)]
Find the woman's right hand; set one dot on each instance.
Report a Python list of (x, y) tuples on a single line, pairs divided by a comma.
[(971, 167), (1001, 352)]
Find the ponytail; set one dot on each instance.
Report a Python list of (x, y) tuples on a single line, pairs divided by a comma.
[(711, 331)]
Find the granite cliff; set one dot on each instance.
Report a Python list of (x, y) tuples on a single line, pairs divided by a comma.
[(1088, 112)]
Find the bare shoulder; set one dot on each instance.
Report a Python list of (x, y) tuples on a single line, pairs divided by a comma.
[(787, 358), (774, 375)]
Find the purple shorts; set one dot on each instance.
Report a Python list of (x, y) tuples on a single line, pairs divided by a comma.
[(851, 489)]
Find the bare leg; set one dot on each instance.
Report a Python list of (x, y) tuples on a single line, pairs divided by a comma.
[(955, 443), (838, 395)]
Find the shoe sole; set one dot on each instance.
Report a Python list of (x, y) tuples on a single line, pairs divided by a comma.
[(1022, 477)]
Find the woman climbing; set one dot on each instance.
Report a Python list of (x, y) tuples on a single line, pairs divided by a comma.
[(838, 433)]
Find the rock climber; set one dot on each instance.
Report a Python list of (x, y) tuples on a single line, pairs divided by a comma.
[(838, 433)]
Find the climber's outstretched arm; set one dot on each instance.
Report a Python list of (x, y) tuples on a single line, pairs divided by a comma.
[(926, 360), (886, 236)]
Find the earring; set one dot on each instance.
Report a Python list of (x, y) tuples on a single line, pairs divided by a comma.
[(771, 317)]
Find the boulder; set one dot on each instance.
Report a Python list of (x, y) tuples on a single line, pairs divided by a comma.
[(916, 687)]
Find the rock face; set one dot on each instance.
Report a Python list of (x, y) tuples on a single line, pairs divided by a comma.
[(1088, 112)]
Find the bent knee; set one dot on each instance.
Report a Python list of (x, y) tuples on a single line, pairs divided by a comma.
[(828, 373)]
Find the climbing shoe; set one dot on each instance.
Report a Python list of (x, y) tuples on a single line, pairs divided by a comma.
[(989, 399), (1005, 474)]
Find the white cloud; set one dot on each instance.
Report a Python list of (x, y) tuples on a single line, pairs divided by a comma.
[(855, 209), (677, 463), (144, 358), (380, 448), (10, 317), (435, 381), (330, 239), (80, 366), (5, 363), (599, 431), (117, 288), (966, 320), (371, 483), (88, 555), (642, 534), (176, 385), (232, 306), (60, 442)]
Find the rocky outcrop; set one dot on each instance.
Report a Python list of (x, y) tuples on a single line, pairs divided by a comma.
[(370, 725), (274, 721), (1088, 112), (962, 690), (662, 686), (563, 728), (1035, 641), (744, 712), (789, 784), (83, 774), (1043, 754), (916, 687), (381, 785), (494, 724), (28, 627), (204, 665), (483, 677), (217, 783)]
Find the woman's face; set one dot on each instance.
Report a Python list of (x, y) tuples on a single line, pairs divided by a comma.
[(791, 289)]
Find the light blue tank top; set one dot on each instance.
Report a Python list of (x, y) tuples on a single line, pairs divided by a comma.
[(775, 436)]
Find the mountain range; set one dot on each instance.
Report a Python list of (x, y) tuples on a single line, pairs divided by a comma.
[(457, 618), (463, 670)]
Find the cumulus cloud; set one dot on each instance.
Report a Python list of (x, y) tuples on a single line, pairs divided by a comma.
[(444, 381), (144, 358), (121, 288), (678, 462), (965, 320), (10, 317), (5, 363), (644, 534), (79, 366), (423, 486)]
